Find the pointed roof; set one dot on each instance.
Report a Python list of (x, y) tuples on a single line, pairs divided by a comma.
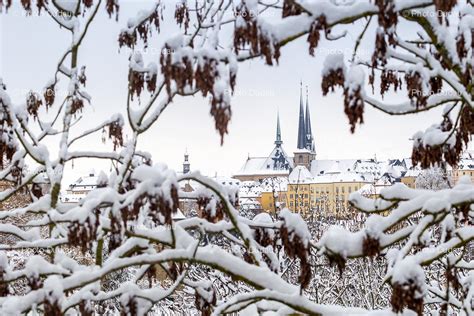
[(309, 134), (301, 124), (278, 160), (278, 140)]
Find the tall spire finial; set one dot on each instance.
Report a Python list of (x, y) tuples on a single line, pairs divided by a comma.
[(301, 123), (278, 140), (309, 141)]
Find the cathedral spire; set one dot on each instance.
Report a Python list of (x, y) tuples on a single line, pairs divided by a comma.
[(278, 140), (301, 123), (309, 134)]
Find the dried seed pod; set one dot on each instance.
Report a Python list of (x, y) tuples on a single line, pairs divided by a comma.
[(161, 209), (141, 30), (182, 72), (414, 85), (115, 133), (210, 208), (86, 308), (387, 18), (82, 76), (33, 103), (221, 113), (52, 307), (444, 6), (76, 104), (84, 234), (379, 57), (205, 300), (387, 79), (7, 5), (354, 107), (296, 246), (436, 84), (290, 7), (407, 295), (112, 6), (181, 15), (247, 33), (332, 79), (136, 82), (370, 246), (4, 288), (27, 6), (314, 33), (49, 95)]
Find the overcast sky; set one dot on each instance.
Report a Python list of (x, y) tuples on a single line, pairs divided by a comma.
[(30, 47)]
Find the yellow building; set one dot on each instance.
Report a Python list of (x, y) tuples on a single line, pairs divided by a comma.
[(322, 195)]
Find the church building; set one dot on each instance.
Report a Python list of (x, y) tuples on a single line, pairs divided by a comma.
[(278, 163)]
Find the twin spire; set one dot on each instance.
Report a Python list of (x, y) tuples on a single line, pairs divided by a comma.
[(305, 135)]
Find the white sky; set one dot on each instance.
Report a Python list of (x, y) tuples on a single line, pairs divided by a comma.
[(30, 47)]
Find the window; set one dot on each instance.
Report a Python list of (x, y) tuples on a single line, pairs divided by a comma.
[(350, 189), (342, 189), (306, 196), (291, 204), (300, 158), (291, 196)]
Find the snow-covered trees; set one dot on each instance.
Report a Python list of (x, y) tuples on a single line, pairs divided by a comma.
[(126, 225), (432, 179)]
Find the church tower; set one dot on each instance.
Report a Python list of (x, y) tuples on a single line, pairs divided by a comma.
[(186, 164), (305, 152)]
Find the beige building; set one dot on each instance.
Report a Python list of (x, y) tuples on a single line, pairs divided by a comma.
[(323, 195)]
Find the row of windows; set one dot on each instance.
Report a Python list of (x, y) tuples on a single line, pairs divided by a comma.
[(325, 189)]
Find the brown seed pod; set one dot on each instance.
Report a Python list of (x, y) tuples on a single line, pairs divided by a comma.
[(407, 295), (221, 113), (205, 300), (290, 7), (248, 34), (49, 95), (314, 33), (112, 6), (354, 107), (141, 30), (161, 209), (84, 234), (7, 5), (331, 80), (296, 247), (181, 15), (52, 307), (387, 79), (370, 246), (115, 133), (76, 105), (33, 103), (379, 57)]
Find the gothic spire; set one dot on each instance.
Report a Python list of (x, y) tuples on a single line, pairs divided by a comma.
[(301, 123), (309, 134), (278, 140)]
